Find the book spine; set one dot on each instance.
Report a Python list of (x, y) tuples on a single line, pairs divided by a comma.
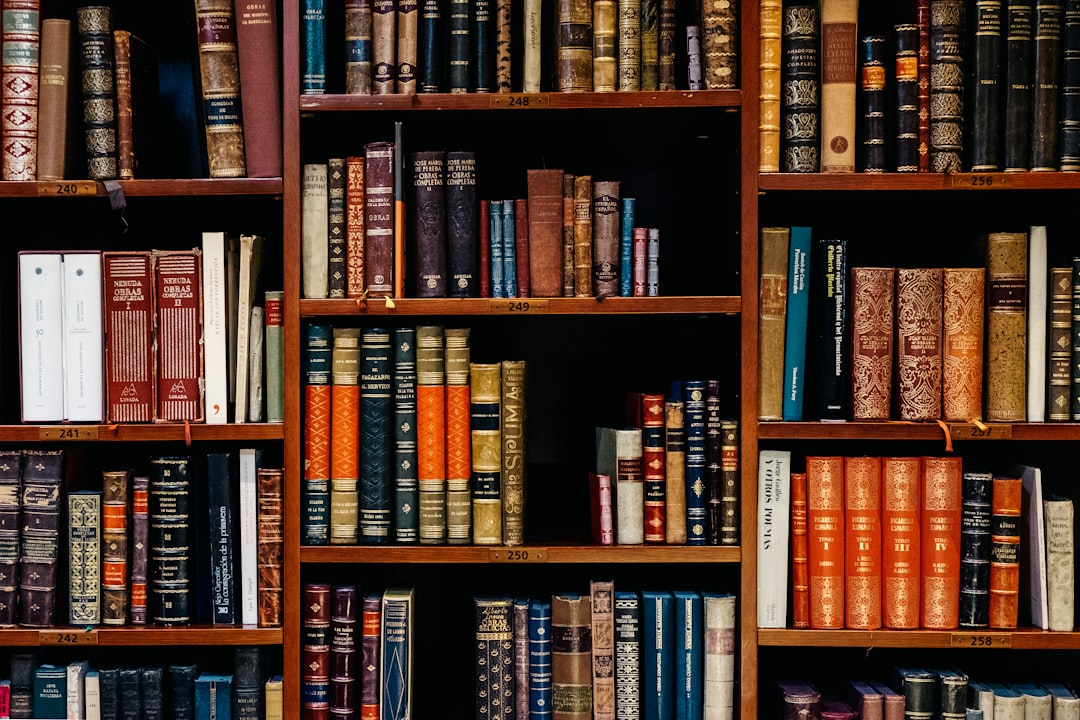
[(1060, 552), (800, 99), (406, 490), (1037, 308), (125, 138), (839, 73), (313, 47), (462, 233), (343, 640), (772, 315), (719, 650), (315, 649), (922, 20), (521, 246), (84, 342), (626, 247), (458, 439), (84, 548), (432, 47), (628, 33), (605, 70), (900, 541), (336, 238), (1060, 360), (652, 262), (871, 155), (1006, 327), (605, 238), (170, 541), (458, 46), (872, 290), (314, 222), (485, 415), (986, 88), (940, 535), (1005, 552), (115, 597), (21, 36), (503, 41), (376, 452), (918, 342), (800, 570), (345, 438), (513, 478), (140, 535), (178, 296), (521, 657), (497, 250), (946, 85), (94, 29), (482, 65), (509, 250), (546, 222), (260, 63), (796, 315), (963, 303), (370, 668), (773, 518), (906, 38), (602, 603), (221, 477), (41, 336), (396, 655), (358, 49), (825, 534), (494, 626), (10, 532), (540, 677), (318, 393), (379, 168), (1046, 85), (639, 252), (688, 631), (714, 476), (1018, 69), (54, 85), (41, 490), (274, 304), (219, 68), (270, 553), (658, 652), (720, 43), (1070, 88), (249, 677), (571, 656), (407, 51), (431, 433), (770, 31), (429, 220), (583, 235), (862, 542), (355, 219), (674, 469), (601, 515), (831, 280), (654, 462), (574, 51), (975, 514)]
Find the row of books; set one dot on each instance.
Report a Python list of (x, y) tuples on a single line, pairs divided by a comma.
[(142, 336), (118, 103), (80, 690), (133, 538), (571, 236), (911, 542), (671, 476), (462, 47), (407, 440), (993, 342)]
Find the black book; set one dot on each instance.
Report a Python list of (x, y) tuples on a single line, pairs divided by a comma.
[(337, 272), (462, 225), (428, 205), (714, 442), (432, 46), (249, 677), (152, 679), (800, 83), (482, 22), (829, 309), (976, 489), (109, 685), (170, 541), (627, 651), (41, 487), (984, 113), (10, 534), (906, 107), (457, 48), (222, 480), (946, 85), (1046, 85), (22, 684), (97, 67), (872, 101), (1019, 53), (406, 481), (1070, 88), (131, 694), (180, 687)]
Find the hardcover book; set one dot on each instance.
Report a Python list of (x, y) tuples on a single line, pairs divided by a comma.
[(800, 570), (918, 343), (178, 335), (380, 165), (628, 678), (376, 450), (1005, 536), (654, 482), (42, 479), (345, 438), (605, 62), (1059, 372), (862, 542), (770, 31), (50, 691), (906, 39), (355, 219), (336, 233), (1006, 327), (271, 547), (1070, 90), (870, 157), (314, 225), (97, 66), (658, 643), (602, 599), (222, 477), (129, 321), (406, 520), (694, 405), (719, 650), (396, 654), (432, 39), (901, 514), (947, 79), (140, 541), (250, 465), (41, 336), (313, 47), (463, 225), (170, 541), (1046, 85), (521, 656), (457, 49), (774, 515), (485, 429), (521, 246), (84, 557), (1060, 572), (19, 118), (115, 506), (370, 659), (56, 93), (10, 534), (513, 452), (689, 645), (431, 433), (797, 698), (987, 87), (249, 292), (825, 535), (1019, 72), (1033, 604), (260, 78), (975, 521), (545, 231), (220, 71), (571, 656), (574, 51), (344, 637), (674, 468), (583, 235), (963, 303), (213, 695), (494, 625), (800, 96), (605, 238), (315, 487), (429, 219), (772, 318), (796, 315), (315, 621), (873, 318), (839, 53), (249, 679), (830, 313), (601, 515), (940, 534)]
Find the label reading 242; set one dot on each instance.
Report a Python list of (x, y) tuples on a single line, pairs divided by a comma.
[(67, 637)]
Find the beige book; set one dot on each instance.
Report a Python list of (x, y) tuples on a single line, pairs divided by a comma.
[(54, 91), (531, 50), (772, 316), (675, 473), (486, 396), (602, 601), (583, 236), (605, 50), (839, 56), (1060, 571), (629, 44), (1006, 327)]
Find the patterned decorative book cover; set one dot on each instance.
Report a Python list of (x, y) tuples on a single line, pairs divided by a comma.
[(1005, 358), (355, 219), (458, 437), (540, 678), (906, 94), (1060, 571), (873, 103), (406, 30), (862, 541), (1060, 348), (503, 41), (602, 599), (605, 238), (1005, 538), (839, 79), (494, 626), (947, 85), (628, 42), (463, 227), (770, 31), (10, 532), (370, 668), (21, 36), (694, 419), (376, 444), (720, 44), (84, 557), (772, 315), (379, 170), (396, 653), (583, 235), (344, 636), (94, 32), (627, 623), (901, 480), (655, 465), (406, 490), (485, 429), (574, 66), (315, 610), (54, 97), (313, 47), (521, 657), (719, 652), (571, 656), (800, 87), (337, 239), (170, 506), (714, 478), (940, 536), (140, 542), (975, 514), (800, 559), (872, 327), (271, 546), (358, 18), (513, 483), (317, 398), (178, 334), (922, 21), (431, 433), (220, 71), (129, 321), (115, 534), (825, 534), (918, 343), (987, 87), (1046, 85), (344, 426), (674, 468), (43, 472), (428, 206), (963, 300)]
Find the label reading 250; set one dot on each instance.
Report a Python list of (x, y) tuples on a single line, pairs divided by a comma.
[(518, 555)]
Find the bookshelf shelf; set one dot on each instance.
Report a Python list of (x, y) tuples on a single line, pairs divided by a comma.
[(67, 189), (532, 101), (725, 305), (521, 555), (144, 636), (158, 432), (975, 182), (1022, 639), (899, 430)]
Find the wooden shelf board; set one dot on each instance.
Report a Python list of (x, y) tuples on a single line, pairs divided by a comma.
[(530, 101), (896, 430), (520, 555), (140, 432), (130, 635), (146, 188), (1020, 639), (524, 306), (980, 182)]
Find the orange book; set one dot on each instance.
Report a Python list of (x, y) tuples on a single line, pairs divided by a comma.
[(354, 226), (901, 512), (800, 576), (1005, 505), (941, 503), (825, 536), (862, 542), (652, 447), (345, 438), (431, 432)]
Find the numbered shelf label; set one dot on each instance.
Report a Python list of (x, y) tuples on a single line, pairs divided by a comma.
[(68, 432), (979, 181), (518, 101), (68, 637), (982, 431), (54, 188), (518, 306), (984, 640), (518, 555)]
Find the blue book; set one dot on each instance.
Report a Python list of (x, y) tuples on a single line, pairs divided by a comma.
[(213, 696), (406, 480), (313, 48), (689, 644), (696, 490), (396, 656), (509, 239), (626, 247), (795, 331), (50, 691), (376, 442), (627, 654), (540, 677), (658, 655), (498, 271), (315, 489)]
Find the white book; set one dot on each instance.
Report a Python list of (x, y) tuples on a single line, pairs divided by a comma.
[(84, 340), (774, 529), (249, 498), (232, 290), (256, 373), (982, 697), (41, 336), (76, 690), (531, 30), (1033, 536), (1038, 703), (719, 656), (92, 695), (628, 500), (1066, 705), (315, 237), (215, 327), (250, 266), (1038, 282), (1060, 571)]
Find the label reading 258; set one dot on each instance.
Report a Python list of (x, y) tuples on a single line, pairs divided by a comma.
[(967, 640)]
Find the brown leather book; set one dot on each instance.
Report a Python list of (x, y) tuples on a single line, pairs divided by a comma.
[(125, 139), (901, 478), (922, 19), (486, 413), (54, 94), (770, 26), (260, 83), (115, 506), (1005, 510), (355, 221), (1006, 327), (575, 46), (862, 542), (720, 44), (872, 318), (825, 535), (379, 168), (19, 77), (800, 575), (336, 240), (918, 343), (571, 656), (606, 231), (271, 548), (545, 205), (178, 299), (665, 47), (674, 472), (940, 535), (569, 183), (583, 236), (219, 68), (962, 343), (521, 247), (605, 50), (357, 35), (772, 315)]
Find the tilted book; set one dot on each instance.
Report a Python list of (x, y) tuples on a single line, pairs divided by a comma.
[(872, 331), (84, 557), (431, 433), (918, 343), (249, 292), (839, 71), (97, 65), (485, 429), (901, 547), (825, 536), (463, 225), (115, 534), (800, 85), (220, 72), (862, 542), (494, 626), (1032, 602), (940, 534), (975, 521), (270, 553), (774, 513), (376, 449), (458, 438), (406, 491), (171, 540), (42, 479), (513, 481), (1006, 326), (345, 438), (571, 656), (19, 119), (428, 206), (772, 319), (396, 654), (76, 691), (260, 80), (178, 334), (1060, 571), (317, 399), (315, 610), (602, 599), (963, 303), (627, 653)]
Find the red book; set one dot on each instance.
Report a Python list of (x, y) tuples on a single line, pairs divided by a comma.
[(640, 253), (862, 542), (600, 513), (655, 472), (922, 19), (800, 577), (178, 284), (521, 246), (315, 650), (370, 670), (901, 513), (260, 83), (918, 343), (1005, 505), (825, 535), (19, 75), (129, 327), (941, 505), (379, 167), (485, 248)]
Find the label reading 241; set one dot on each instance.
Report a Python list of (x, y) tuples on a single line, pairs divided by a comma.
[(68, 432)]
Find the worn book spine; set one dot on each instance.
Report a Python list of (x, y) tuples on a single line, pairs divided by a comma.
[(171, 540), (629, 487), (355, 219), (574, 49), (84, 557), (872, 333), (628, 43), (946, 85), (313, 47), (1046, 85), (571, 656), (458, 437), (1060, 570), (665, 45), (429, 221), (383, 46), (1070, 88), (358, 47), (344, 426), (379, 169), (1005, 551), (545, 206), (1060, 345), (270, 553), (918, 343), (260, 73), (19, 77), (605, 238), (770, 31), (862, 542), (140, 535), (674, 469), (569, 183), (406, 520), (1018, 91), (825, 536), (503, 42), (605, 61), (485, 399), (583, 235), (602, 603), (772, 316), (601, 515), (315, 620), (800, 97), (800, 559), (178, 297), (115, 596), (10, 534), (963, 301), (839, 73), (1006, 327), (407, 50), (370, 669), (719, 655), (315, 235), (975, 515), (432, 64), (463, 226), (521, 657), (986, 87), (940, 536), (336, 238), (94, 29), (125, 138), (431, 433), (458, 46), (870, 155), (219, 68), (513, 451), (494, 633), (54, 94), (720, 45), (901, 479), (694, 415), (906, 94), (655, 481), (521, 247), (249, 678), (317, 441)]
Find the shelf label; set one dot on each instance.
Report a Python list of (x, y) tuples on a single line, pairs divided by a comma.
[(979, 181), (519, 101), (68, 432), (970, 640), (516, 306), (68, 637), (518, 555), (65, 188), (982, 431)]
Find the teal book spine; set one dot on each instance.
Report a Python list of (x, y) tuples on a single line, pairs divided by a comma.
[(795, 331), (509, 241), (213, 695), (315, 504), (376, 441), (396, 655), (626, 247), (696, 491), (406, 479), (658, 655), (498, 283), (313, 58), (540, 670), (689, 639), (50, 691)]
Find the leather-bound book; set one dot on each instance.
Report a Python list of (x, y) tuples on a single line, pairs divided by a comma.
[(772, 316), (906, 42), (494, 633), (355, 220), (431, 432), (484, 241), (379, 169), (485, 415), (271, 546), (178, 333), (770, 30), (1060, 353), (575, 47), (377, 449), (665, 45), (406, 521), (56, 92), (862, 540), (131, 691), (825, 536), (171, 541), (315, 610), (336, 234), (605, 239), (406, 28), (720, 45), (219, 68), (800, 97), (922, 20), (503, 41), (650, 29), (115, 534), (358, 46), (605, 62), (10, 534), (462, 225), (429, 221), (42, 479), (513, 481), (963, 300), (19, 118), (602, 602), (872, 326), (946, 85), (798, 699), (1005, 358), (521, 656), (260, 80), (249, 677), (180, 689), (545, 205), (482, 27), (918, 343), (1060, 569), (1046, 85), (628, 42), (866, 700), (830, 276), (345, 437), (674, 469), (370, 670), (521, 247), (98, 91), (901, 480), (318, 402), (839, 57), (696, 499), (571, 656), (313, 47), (1070, 88), (601, 514), (1019, 73), (125, 138), (940, 535), (383, 46), (140, 538), (583, 236), (1005, 551), (152, 682), (987, 85), (457, 48), (800, 569), (872, 99), (652, 452), (84, 557), (431, 51), (569, 183), (976, 491), (344, 636)]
